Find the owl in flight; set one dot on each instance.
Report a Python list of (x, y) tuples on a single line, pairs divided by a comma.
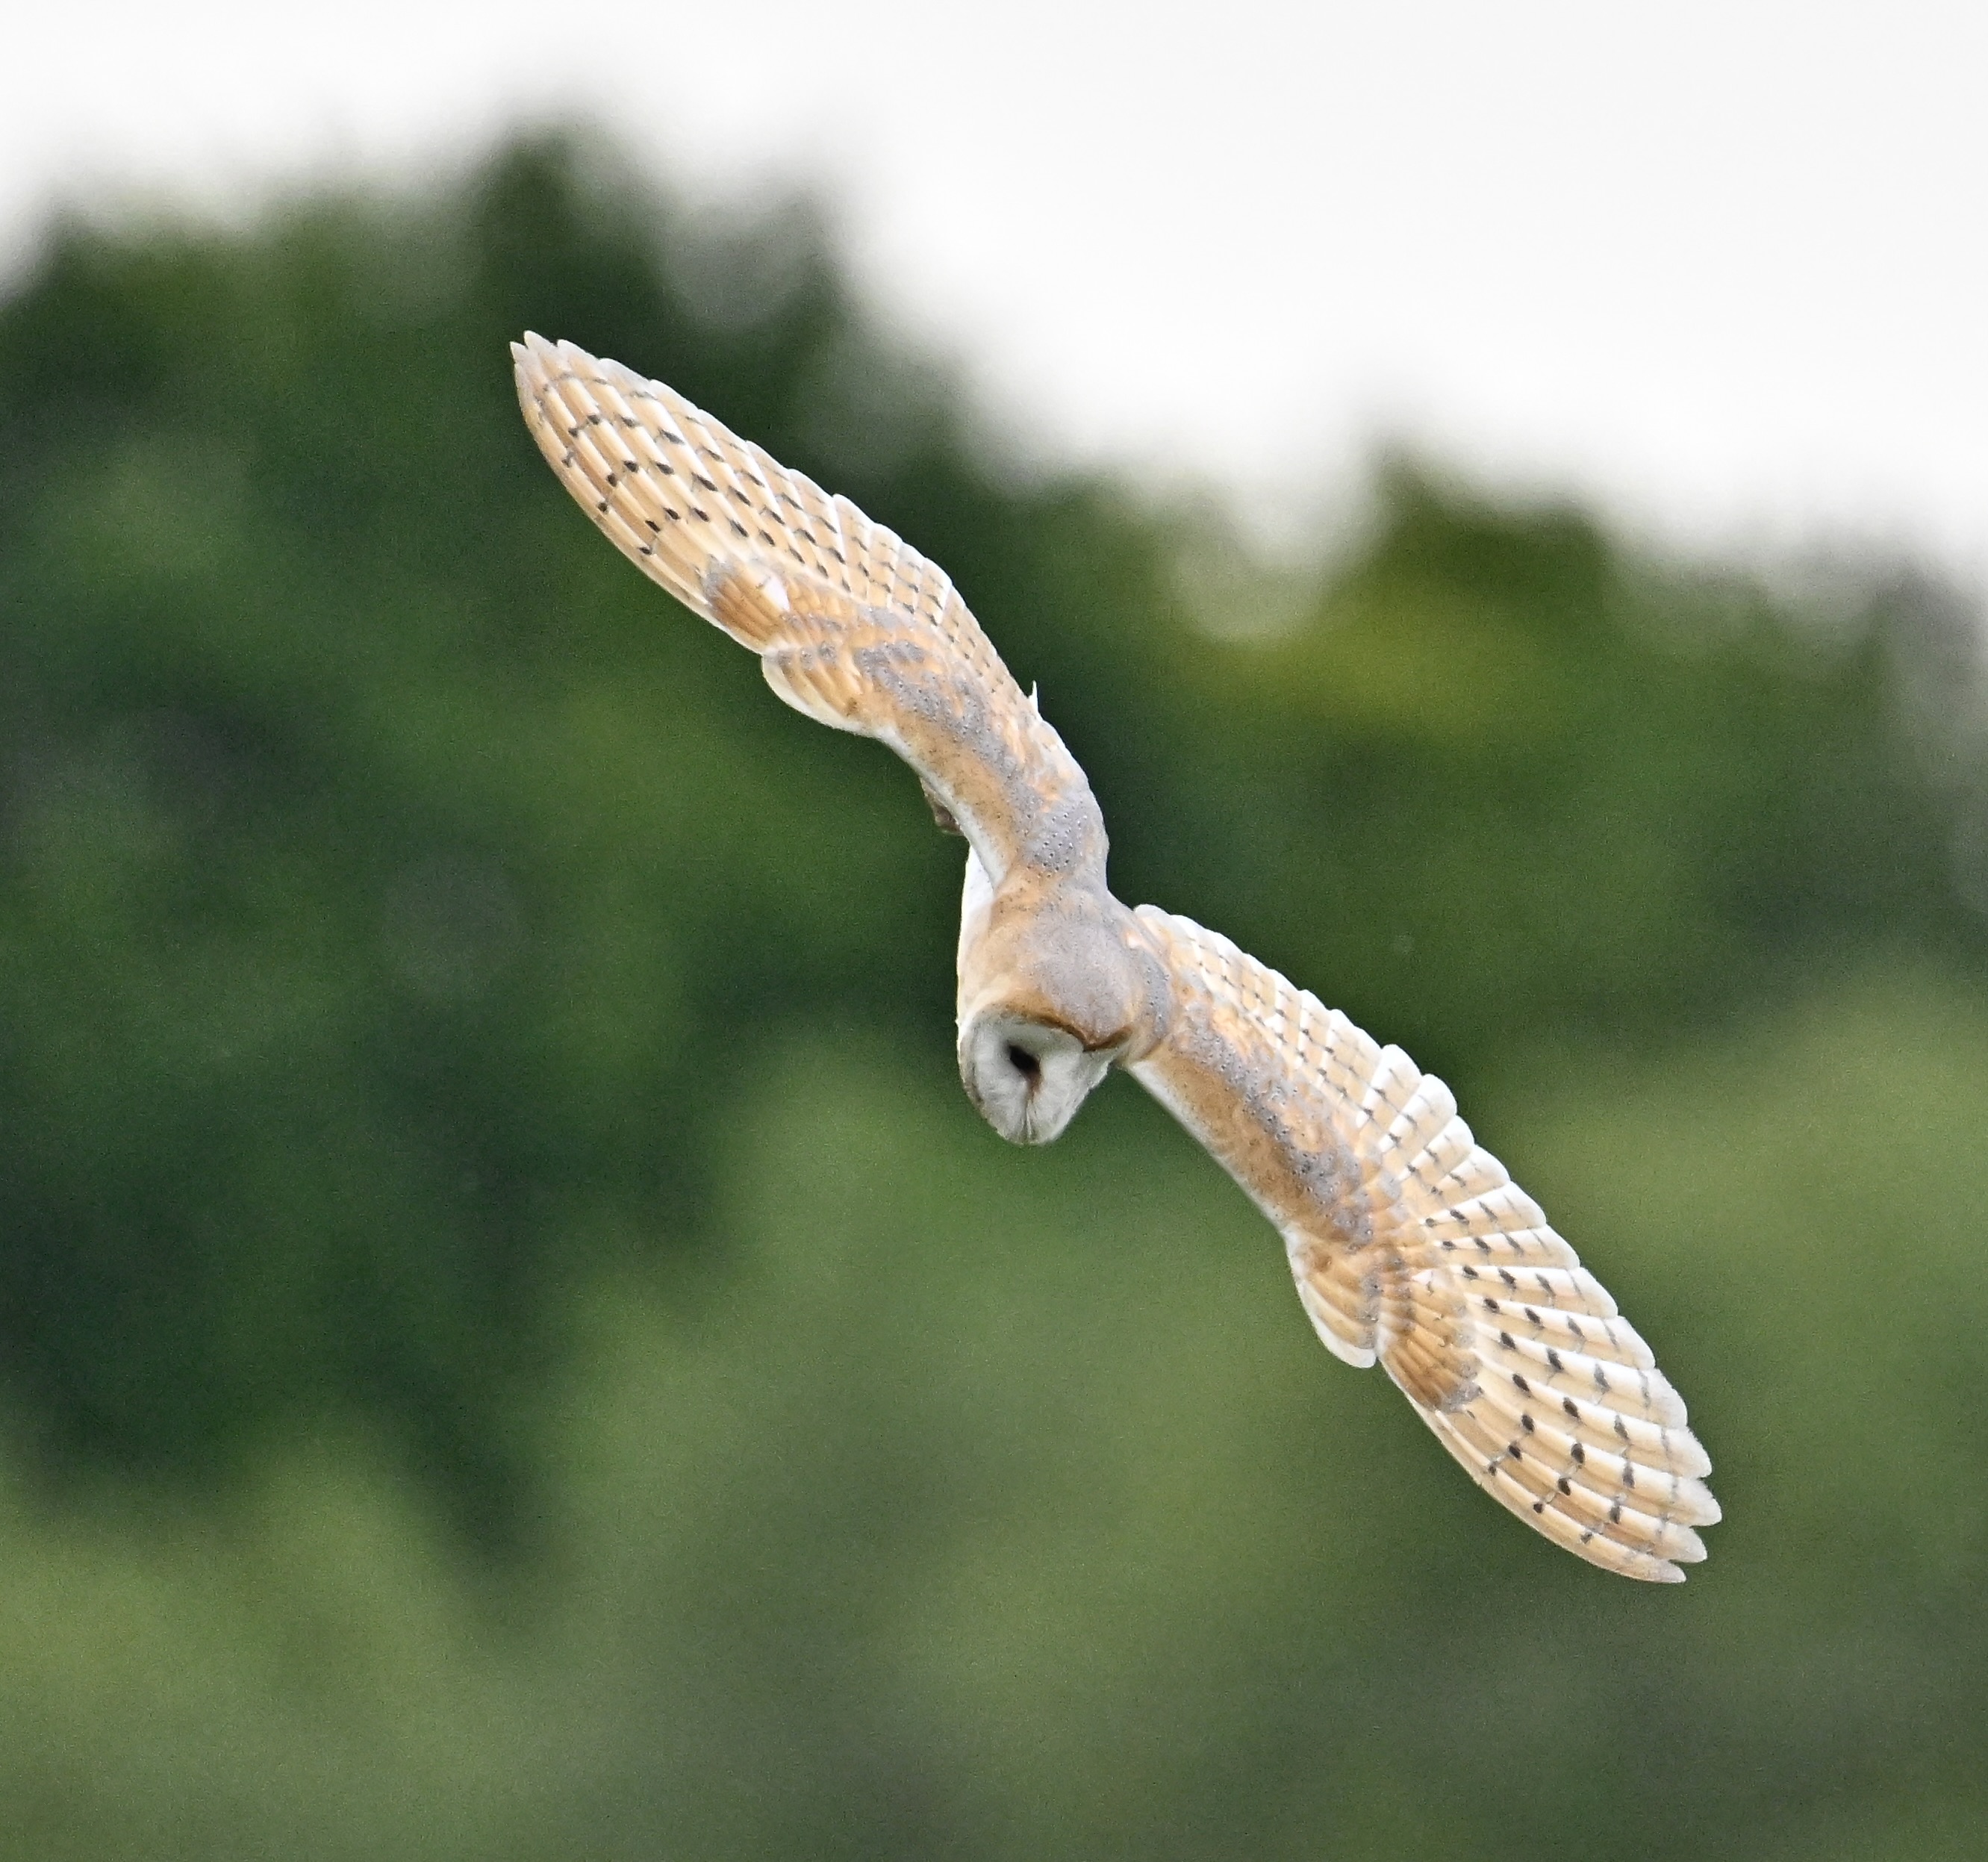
[(1409, 1242)]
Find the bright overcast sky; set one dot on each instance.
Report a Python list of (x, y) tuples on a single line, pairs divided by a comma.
[(1721, 269)]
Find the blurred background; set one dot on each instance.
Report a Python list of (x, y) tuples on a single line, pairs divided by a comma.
[(512, 1343)]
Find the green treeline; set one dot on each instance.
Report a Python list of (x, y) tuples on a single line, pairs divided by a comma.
[(494, 1264)]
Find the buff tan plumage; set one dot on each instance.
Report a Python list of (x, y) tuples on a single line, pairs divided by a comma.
[(1409, 1242)]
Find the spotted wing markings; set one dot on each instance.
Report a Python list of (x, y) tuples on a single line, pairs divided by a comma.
[(1513, 1354), (852, 625), (747, 498)]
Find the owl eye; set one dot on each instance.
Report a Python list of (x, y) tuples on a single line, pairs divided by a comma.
[(1024, 1062)]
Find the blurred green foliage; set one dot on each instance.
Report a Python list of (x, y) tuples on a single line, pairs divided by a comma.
[(475, 1076)]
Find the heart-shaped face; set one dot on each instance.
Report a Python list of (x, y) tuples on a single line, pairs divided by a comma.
[(1027, 1078)]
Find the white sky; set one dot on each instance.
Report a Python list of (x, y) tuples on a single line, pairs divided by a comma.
[(1720, 266)]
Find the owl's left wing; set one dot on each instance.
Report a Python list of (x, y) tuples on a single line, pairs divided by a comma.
[(1411, 1244), (852, 626)]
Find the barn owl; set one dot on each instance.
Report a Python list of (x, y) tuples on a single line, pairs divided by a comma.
[(1409, 1242)]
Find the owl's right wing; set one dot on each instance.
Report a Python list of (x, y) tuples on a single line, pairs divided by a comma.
[(853, 627), (1410, 1243)]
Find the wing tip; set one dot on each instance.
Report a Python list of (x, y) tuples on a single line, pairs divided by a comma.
[(535, 358), (532, 347)]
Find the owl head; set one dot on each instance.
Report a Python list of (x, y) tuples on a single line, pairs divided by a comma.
[(1026, 1077)]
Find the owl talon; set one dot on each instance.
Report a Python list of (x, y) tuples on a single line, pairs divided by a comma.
[(941, 813)]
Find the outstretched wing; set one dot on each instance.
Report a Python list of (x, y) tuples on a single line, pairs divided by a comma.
[(853, 627), (1411, 1244)]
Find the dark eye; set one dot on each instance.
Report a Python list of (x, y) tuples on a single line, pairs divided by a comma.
[(1023, 1062)]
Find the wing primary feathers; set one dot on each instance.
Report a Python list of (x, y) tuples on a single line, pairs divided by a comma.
[(1410, 1243), (854, 627)]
